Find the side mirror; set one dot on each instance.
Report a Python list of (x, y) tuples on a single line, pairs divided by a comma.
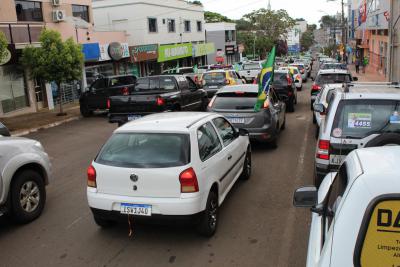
[(355, 79), (243, 132), (319, 108), (305, 197)]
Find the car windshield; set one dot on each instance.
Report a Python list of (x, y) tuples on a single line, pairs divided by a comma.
[(327, 66), (121, 81), (280, 78), (333, 78), (254, 66), (214, 78), (146, 150), (235, 101), (361, 118)]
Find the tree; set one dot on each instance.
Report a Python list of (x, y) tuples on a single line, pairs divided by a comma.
[(3, 46), (328, 21), (311, 27), (307, 40), (215, 17), (196, 3), (55, 60)]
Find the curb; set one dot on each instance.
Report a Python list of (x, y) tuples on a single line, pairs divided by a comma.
[(51, 125)]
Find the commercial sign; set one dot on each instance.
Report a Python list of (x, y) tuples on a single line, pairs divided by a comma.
[(91, 51), (171, 52), (104, 56), (118, 51), (230, 49), (378, 17), (143, 52), (220, 56), (203, 49)]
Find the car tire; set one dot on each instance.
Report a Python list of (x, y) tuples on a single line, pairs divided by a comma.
[(27, 186), (103, 223), (85, 111), (291, 105), (207, 225), (384, 139), (316, 134), (283, 127), (314, 119), (246, 173)]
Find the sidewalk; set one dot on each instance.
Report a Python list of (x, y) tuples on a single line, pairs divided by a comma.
[(27, 123), (368, 76)]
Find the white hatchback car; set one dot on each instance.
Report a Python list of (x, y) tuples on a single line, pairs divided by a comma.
[(168, 164), (356, 211)]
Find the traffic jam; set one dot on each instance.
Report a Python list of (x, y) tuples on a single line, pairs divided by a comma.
[(184, 139)]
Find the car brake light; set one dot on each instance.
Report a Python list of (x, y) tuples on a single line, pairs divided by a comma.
[(290, 93), (125, 91), (108, 103), (212, 101), (160, 101), (91, 176), (315, 87), (289, 81), (188, 180), (323, 149), (266, 104), (239, 92)]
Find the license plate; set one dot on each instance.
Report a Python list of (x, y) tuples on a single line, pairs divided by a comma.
[(236, 120), (133, 117), (136, 209), (336, 159), (213, 87)]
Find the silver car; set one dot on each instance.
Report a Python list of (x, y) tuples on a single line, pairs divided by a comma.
[(24, 172), (237, 102)]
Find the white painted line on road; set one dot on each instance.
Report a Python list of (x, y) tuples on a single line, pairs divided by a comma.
[(284, 251)]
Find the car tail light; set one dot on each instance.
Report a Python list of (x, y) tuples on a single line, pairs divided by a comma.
[(160, 101), (108, 103), (323, 149), (254, 81), (91, 176), (188, 180), (302, 71), (125, 91), (239, 92), (266, 104), (289, 80), (212, 101), (290, 93), (315, 87)]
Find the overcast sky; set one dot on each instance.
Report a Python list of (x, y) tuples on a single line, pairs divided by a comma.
[(310, 10)]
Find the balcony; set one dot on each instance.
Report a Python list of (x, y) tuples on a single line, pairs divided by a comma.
[(22, 33)]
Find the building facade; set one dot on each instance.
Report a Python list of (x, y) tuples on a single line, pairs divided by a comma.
[(22, 21), (394, 42), (223, 35), (161, 34)]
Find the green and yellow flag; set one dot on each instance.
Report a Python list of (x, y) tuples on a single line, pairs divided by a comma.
[(265, 80)]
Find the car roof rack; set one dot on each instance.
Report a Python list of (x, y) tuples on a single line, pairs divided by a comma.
[(346, 86)]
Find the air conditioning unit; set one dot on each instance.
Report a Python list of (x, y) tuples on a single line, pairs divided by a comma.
[(56, 2), (59, 15)]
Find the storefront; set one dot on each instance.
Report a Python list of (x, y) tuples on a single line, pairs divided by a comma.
[(176, 55), (200, 51), (144, 60)]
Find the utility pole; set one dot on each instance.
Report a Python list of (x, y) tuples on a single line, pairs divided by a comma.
[(343, 27)]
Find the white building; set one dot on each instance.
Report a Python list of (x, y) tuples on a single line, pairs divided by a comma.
[(301, 26), (152, 24)]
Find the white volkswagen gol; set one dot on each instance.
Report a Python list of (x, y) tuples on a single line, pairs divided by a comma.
[(169, 164), (356, 211)]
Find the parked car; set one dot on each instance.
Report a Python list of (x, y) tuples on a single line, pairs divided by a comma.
[(100, 90), (358, 115), (298, 80), (250, 71), (25, 170), (355, 212), (3, 130), (214, 80), (157, 94), (329, 77), (236, 103), (168, 165), (285, 88)]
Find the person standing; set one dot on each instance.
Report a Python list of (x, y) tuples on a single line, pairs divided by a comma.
[(357, 63), (365, 63)]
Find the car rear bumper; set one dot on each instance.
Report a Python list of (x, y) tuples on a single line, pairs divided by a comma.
[(123, 117), (159, 206), (265, 134)]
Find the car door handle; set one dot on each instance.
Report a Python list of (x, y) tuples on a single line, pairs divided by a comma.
[(229, 157)]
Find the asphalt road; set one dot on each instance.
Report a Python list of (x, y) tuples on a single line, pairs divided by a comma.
[(258, 225)]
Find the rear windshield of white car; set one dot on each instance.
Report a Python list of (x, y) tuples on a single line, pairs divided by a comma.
[(235, 101), (146, 150), (333, 78), (361, 118), (251, 66), (214, 76)]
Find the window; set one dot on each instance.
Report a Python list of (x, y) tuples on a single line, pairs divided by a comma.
[(233, 101), (121, 81), (154, 83), (99, 84), (28, 10), (82, 12), (333, 78), (225, 130), (146, 150), (208, 141), (199, 26), (188, 27), (152, 24), (171, 25), (142, 84), (167, 83)]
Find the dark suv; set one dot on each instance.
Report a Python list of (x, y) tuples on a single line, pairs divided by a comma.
[(284, 86)]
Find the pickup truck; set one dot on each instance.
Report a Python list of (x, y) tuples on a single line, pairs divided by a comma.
[(250, 70), (157, 94), (101, 89)]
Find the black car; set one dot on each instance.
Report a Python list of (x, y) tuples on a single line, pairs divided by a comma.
[(157, 94), (285, 87), (3, 130), (101, 89)]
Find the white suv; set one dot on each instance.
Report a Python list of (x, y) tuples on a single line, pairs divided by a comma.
[(356, 211), (358, 115), (169, 164)]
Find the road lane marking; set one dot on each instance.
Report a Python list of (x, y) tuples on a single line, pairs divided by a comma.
[(73, 223), (285, 251)]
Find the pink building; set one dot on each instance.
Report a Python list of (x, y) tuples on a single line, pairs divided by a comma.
[(22, 21)]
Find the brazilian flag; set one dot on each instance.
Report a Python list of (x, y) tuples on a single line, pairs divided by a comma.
[(265, 80)]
